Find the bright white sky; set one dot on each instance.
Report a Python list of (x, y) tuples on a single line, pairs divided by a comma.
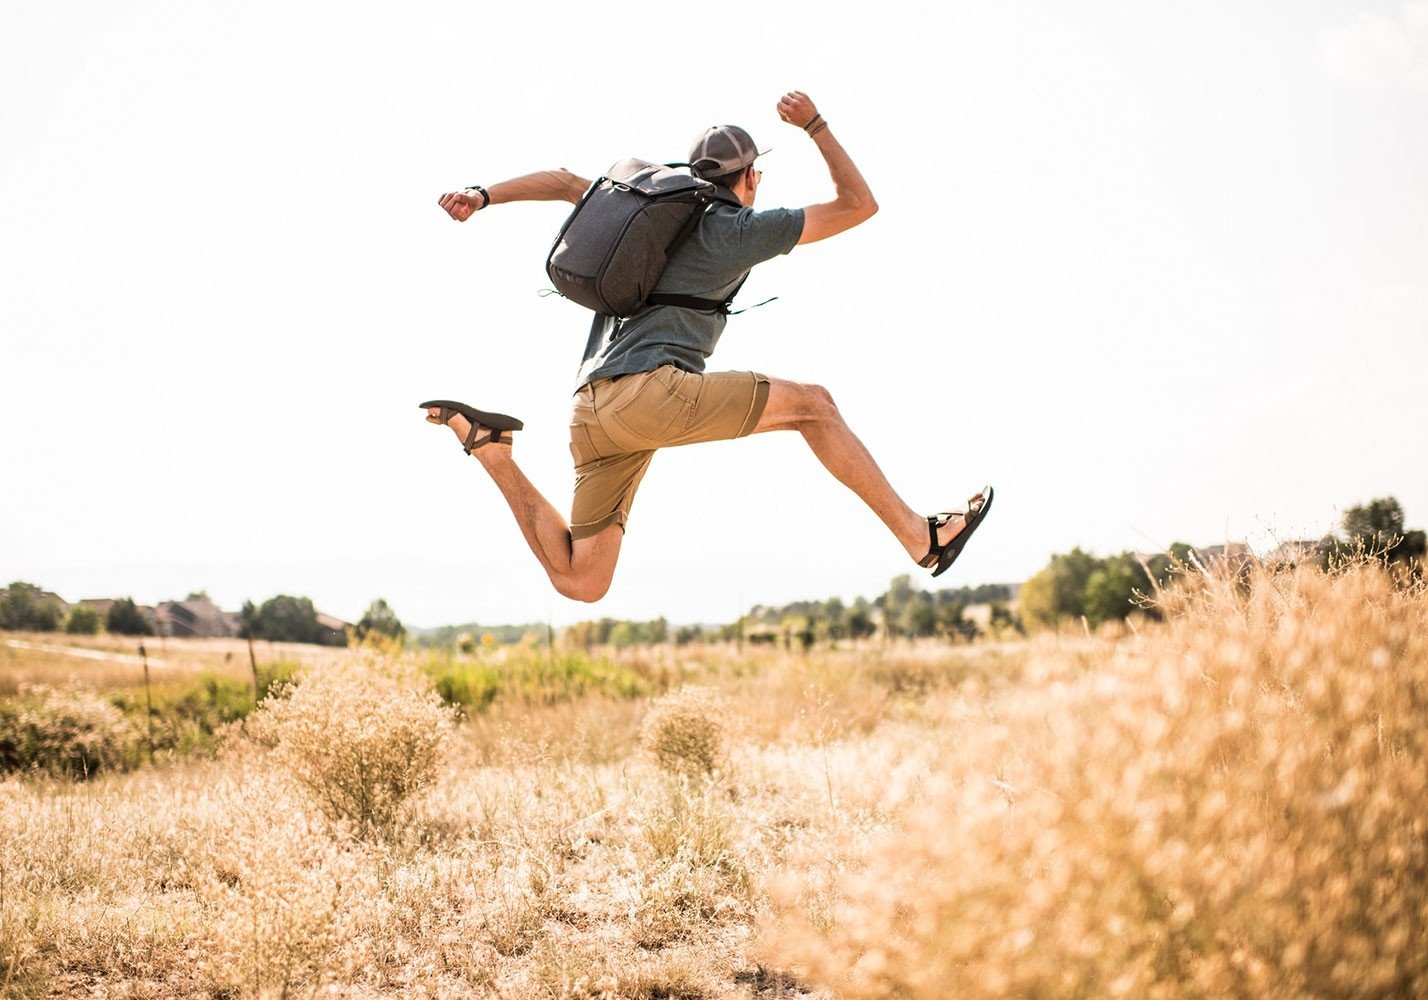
[(1157, 271)]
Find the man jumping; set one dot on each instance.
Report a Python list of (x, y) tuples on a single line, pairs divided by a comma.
[(642, 384)]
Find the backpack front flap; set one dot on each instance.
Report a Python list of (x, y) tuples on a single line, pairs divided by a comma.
[(615, 244)]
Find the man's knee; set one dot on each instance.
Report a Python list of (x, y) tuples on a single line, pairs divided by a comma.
[(795, 405), (818, 405), (585, 587), (823, 401), (592, 566)]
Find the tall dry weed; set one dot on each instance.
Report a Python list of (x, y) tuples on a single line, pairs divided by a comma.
[(361, 737), (1230, 805)]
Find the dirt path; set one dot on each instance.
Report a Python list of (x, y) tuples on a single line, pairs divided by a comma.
[(84, 654)]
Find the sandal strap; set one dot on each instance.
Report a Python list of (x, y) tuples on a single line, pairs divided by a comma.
[(495, 437), (471, 443), (934, 551)]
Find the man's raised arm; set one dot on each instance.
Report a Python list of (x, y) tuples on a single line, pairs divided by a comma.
[(546, 185), (854, 201)]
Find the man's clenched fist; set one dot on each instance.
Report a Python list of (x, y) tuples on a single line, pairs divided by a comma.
[(460, 205), (797, 108)]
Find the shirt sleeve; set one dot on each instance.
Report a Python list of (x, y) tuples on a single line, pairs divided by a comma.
[(765, 235)]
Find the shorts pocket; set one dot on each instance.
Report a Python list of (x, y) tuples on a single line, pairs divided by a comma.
[(651, 410), (582, 449)]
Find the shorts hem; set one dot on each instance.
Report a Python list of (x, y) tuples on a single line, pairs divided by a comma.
[(756, 408), (592, 528)]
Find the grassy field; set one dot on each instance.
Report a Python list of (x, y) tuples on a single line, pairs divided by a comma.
[(106, 662), (1227, 804)]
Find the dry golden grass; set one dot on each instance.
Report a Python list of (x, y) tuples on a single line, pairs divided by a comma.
[(1231, 805), (1225, 805)]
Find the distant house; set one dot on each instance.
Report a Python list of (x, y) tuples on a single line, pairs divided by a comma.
[(45, 595), (103, 604), (196, 618), (334, 630), (1287, 555), (100, 604), (1233, 554)]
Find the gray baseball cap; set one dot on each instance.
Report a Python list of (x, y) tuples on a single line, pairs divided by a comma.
[(722, 150)]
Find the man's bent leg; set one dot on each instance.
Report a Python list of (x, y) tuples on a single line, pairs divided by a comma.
[(810, 410), (579, 569)]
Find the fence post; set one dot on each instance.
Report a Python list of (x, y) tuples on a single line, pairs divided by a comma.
[(148, 700), (253, 662)]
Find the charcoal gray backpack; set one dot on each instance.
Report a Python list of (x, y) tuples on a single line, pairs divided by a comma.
[(615, 244)]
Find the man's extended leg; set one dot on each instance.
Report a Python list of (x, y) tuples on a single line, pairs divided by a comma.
[(810, 410), (580, 570)]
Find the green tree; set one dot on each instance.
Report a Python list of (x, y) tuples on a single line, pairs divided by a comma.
[(379, 618), (125, 618), (1058, 591), (284, 619), (917, 618), (1175, 559), (24, 607), (1378, 527), (952, 620), (1002, 619), (859, 620), (1112, 588), (624, 634), (897, 597), (82, 620)]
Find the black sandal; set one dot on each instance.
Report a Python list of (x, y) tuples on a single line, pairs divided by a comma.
[(498, 424), (942, 556)]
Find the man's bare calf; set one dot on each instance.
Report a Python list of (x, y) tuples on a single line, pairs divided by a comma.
[(580, 570), (810, 410)]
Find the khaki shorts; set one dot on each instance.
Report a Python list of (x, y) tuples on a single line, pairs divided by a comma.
[(619, 423)]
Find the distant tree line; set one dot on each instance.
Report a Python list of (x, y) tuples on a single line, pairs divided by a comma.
[(25, 607), (473, 633), (901, 611), (618, 633), (1077, 585), (285, 618)]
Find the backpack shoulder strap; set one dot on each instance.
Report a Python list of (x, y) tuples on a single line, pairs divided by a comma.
[(720, 195)]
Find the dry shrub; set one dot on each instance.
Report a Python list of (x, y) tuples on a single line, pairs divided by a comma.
[(361, 737), (69, 732), (1230, 806), (685, 731)]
